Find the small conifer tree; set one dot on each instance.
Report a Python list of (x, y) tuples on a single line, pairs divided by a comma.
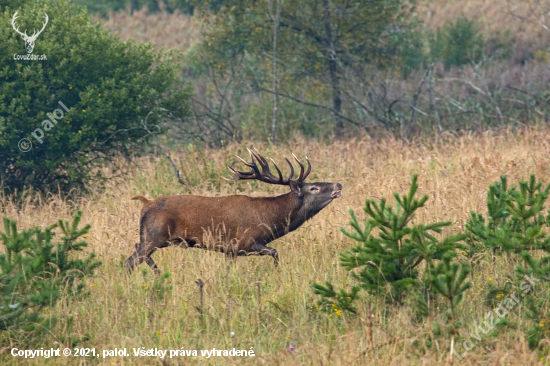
[(515, 219), (389, 252), (36, 271), (517, 225)]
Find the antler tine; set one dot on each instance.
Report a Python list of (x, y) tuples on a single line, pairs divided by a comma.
[(232, 171), (254, 167), (259, 156), (265, 169), (301, 177), (291, 168), (243, 175), (244, 162), (261, 160), (308, 169), (278, 170), (266, 172)]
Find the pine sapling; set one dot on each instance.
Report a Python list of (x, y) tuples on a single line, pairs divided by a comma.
[(449, 279), (35, 271)]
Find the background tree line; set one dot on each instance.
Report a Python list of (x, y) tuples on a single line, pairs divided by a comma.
[(261, 70), (346, 67)]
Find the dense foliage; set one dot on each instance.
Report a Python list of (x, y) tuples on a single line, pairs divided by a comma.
[(92, 99)]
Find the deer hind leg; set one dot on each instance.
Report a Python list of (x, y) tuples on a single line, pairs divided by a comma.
[(265, 250), (142, 253), (135, 259), (144, 250), (151, 263)]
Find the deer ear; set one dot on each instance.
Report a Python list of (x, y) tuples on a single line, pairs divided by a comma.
[(296, 187)]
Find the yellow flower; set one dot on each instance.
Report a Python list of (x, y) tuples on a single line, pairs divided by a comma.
[(79, 131), (84, 110), (70, 86), (490, 279), (85, 236), (158, 332)]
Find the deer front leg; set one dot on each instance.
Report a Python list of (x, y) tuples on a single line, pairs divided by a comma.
[(262, 249)]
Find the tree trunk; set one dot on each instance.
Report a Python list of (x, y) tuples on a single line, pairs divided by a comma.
[(275, 91), (330, 55)]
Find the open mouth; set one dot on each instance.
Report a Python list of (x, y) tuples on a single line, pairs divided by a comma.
[(336, 194)]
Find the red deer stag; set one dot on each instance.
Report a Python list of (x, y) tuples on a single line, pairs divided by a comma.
[(241, 225)]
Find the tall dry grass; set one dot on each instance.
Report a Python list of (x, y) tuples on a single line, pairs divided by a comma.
[(164, 30), (272, 309)]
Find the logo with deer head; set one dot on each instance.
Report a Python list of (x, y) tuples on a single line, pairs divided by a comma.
[(29, 40)]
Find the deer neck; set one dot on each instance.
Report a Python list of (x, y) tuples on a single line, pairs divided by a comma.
[(289, 213)]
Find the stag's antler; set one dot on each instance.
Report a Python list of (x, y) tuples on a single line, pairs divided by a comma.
[(17, 29), (265, 174)]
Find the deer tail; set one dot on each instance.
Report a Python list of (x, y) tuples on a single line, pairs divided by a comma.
[(142, 199)]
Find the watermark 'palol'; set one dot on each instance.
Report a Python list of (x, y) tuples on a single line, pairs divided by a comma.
[(25, 144)]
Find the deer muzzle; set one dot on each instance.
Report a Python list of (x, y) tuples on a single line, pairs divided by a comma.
[(338, 190)]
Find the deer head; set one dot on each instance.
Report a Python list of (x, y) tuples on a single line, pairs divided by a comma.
[(29, 40), (312, 197)]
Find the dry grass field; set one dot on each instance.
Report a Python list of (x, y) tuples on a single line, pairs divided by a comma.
[(250, 303), (170, 31)]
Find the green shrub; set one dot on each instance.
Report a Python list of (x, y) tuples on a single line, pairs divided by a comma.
[(117, 93), (36, 272), (456, 44), (386, 262), (516, 224), (515, 218)]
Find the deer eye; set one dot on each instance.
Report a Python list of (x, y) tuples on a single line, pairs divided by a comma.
[(313, 189)]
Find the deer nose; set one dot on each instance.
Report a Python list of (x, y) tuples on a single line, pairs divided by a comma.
[(339, 186)]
